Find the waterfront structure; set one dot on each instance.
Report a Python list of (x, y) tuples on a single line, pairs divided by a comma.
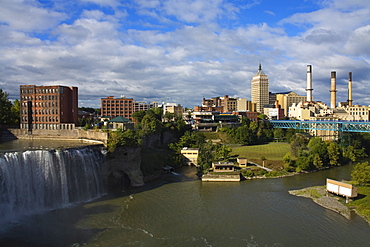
[(260, 89), (190, 156), (48, 107), (112, 107), (223, 166)]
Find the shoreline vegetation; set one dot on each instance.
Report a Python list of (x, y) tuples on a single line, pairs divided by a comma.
[(320, 196)]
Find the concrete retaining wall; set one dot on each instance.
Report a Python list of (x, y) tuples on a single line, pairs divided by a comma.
[(61, 134)]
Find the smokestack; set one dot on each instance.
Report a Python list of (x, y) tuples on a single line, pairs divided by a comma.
[(309, 83), (350, 89), (333, 89)]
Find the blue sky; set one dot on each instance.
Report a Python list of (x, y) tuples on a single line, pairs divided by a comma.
[(180, 51)]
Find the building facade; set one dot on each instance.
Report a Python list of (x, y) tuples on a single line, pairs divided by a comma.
[(287, 99), (112, 107), (48, 107), (260, 89)]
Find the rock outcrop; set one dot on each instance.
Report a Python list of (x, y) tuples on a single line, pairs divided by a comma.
[(123, 167)]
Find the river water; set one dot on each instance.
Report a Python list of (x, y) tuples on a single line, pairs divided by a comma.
[(179, 210)]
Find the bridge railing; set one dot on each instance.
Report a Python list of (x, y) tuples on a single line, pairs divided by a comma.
[(333, 125)]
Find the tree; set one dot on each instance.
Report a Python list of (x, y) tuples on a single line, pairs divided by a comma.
[(317, 161), (298, 143), (5, 108), (278, 134), (138, 116), (334, 153), (361, 173), (15, 112), (205, 157), (223, 152), (317, 147)]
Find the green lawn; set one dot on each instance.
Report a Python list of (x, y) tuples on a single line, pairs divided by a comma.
[(362, 202), (271, 151)]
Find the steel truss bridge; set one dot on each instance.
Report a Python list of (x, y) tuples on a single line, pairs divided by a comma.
[(331, 125)]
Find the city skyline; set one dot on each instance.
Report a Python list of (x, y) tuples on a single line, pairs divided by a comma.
[(182, 51)]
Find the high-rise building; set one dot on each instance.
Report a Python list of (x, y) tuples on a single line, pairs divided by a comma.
[(48, 107), (260, 89), (112, 107)]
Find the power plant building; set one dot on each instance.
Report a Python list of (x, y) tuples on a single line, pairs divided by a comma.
[(260, 89), (310, 110)]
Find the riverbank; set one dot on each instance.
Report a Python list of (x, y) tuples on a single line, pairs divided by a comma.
[(319, 195)]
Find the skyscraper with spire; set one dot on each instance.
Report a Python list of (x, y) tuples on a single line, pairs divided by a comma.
[(260, 89)]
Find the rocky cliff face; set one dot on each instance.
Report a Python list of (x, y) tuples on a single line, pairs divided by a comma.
[(123, 167)]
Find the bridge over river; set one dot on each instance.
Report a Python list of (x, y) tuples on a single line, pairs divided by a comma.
[(323, 125)]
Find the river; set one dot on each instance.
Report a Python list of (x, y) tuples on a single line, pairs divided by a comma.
[(179, 210)]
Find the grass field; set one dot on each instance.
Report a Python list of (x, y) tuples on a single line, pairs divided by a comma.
[(273, 152)]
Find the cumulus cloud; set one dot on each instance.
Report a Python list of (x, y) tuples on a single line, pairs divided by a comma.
[(180, 51)]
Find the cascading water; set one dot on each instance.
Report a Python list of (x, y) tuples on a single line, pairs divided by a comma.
[(34, 181)]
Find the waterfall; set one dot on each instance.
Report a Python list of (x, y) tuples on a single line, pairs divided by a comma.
[(34, 181)]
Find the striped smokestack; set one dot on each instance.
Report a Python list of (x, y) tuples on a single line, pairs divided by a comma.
[(333, 89), (309, 83), (350, 89)]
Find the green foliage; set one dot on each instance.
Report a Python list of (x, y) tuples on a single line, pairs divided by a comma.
[(249, 133), (222, 152), (334, 153), (206, 156), (138, 116), (126, 139), (150, 124), (298, 144), (190, 139), (276, 173), (361, 173), (6, 116), (15, 112), (279, 134), (304, 163), (288, 160), (362, 204)]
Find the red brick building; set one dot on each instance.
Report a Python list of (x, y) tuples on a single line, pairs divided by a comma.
[(112, 107), (48, 107)]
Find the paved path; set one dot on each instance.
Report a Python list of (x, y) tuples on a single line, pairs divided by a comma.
[(267, 169)]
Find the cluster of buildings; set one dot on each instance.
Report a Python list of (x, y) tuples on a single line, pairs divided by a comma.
[(56, 107)]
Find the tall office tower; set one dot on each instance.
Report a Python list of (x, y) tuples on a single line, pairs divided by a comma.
[(260, 90), (48, 107)]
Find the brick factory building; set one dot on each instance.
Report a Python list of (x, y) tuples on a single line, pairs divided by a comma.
[(112, 107), (48, 107)]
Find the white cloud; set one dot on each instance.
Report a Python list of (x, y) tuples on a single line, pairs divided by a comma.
[(27, 16), (161, 54)]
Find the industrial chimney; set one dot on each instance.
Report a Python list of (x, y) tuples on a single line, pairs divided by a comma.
[(309, 83), (349, 89), (333, 90)]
